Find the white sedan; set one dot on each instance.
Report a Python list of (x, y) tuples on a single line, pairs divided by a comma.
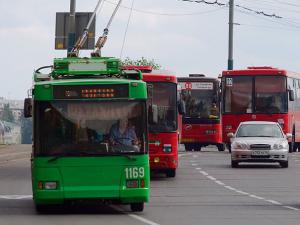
[(259, 141)]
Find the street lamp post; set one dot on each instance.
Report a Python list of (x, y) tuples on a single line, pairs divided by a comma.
[(230, 44)]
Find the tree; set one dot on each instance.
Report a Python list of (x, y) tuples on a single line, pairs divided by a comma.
[(141, 62), (7, 114)]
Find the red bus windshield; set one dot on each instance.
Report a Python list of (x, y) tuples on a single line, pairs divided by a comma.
[(162, 106), (200, 102), (259, 94)]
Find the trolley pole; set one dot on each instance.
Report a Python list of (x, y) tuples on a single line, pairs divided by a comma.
[(230, 46), (71, 35)]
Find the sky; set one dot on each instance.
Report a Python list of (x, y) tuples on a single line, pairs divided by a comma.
[(183, 37)]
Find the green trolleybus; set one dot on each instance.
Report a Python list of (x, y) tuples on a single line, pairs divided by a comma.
[(90, 134)]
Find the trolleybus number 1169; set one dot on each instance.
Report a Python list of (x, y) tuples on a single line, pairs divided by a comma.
[(134, 172)]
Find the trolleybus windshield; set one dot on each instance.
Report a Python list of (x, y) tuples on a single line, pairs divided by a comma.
[(162, 107), (89, 128), (259, 94)]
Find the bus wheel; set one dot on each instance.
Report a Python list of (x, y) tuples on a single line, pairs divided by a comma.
[(228, 145), (42, 208), (234, 164), (197, 147), (291, 147), (137, 207), (171, 173), (188, 147), (221, 147)]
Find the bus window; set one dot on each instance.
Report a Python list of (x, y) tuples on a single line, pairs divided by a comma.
[(270, 98), (238, 95)]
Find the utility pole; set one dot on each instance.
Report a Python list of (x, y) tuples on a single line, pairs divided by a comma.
[(230, 46), (71, 35)]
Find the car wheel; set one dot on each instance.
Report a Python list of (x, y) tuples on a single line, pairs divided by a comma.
[(234, 164), (171, 173), (284, 164), (221, 147), (137, 207)]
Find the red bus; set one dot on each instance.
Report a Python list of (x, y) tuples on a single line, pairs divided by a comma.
[(162, 119), (201, 122), (262, 94)]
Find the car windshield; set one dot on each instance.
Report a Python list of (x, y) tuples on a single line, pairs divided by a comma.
[(162, 107), (89, 128), (259, 130)]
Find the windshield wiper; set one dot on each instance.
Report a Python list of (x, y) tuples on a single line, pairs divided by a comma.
[(125, 155), (75, 154)]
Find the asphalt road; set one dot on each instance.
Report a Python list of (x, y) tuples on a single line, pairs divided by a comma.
[(206, 190)]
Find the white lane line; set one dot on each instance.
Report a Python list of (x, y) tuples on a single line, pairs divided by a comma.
[(140, 218), (195, 156), (219, 182), (273, 202), (290, 207), (194, 164), (243, 192), (211, 178), (14, 197)]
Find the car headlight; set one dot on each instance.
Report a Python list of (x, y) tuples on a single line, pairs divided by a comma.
[(280, 145), (239, 145)]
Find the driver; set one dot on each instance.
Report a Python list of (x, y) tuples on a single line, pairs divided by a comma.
[(123, 134)]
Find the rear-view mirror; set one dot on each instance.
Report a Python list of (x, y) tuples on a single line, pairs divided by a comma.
[(28, 107), (288, 135), (291, 95), (230, 135), (181, 107), (153, 114)]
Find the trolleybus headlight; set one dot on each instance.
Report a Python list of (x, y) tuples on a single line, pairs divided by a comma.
[(50, 185), (240, 145), (167, 148), (132, 183)]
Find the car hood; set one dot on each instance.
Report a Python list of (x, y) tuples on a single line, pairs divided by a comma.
[(259, 140)]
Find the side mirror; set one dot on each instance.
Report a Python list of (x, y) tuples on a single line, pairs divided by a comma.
[(291, 95), (153, 114), (181, 108), (288, 135), (28, 107), (230, 135)]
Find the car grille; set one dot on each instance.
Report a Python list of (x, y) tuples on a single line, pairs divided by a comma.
[(260, 147)]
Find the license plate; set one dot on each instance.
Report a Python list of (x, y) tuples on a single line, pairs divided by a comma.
[(256, 152)]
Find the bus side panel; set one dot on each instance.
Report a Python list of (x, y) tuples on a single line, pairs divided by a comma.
[(158, 158)]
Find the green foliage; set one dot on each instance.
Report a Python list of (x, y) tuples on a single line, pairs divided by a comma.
[(7, 114), (141, 62)]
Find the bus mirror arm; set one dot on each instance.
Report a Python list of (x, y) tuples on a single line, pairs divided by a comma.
[(181, 107), (291, 95), (28, 107)]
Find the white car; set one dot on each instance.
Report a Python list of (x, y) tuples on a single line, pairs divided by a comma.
[(259, 141)]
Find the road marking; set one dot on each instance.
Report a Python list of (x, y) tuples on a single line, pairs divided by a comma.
[(198, 168), (14, 197), (194, 164), (243, 192), (142, 219), (290, 207)]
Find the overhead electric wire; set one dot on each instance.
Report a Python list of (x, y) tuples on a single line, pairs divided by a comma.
[(165, 14), (127, 25)]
